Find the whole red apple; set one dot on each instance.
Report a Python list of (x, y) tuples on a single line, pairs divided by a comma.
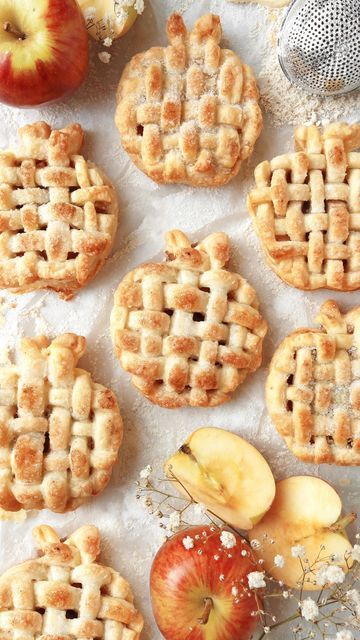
[(44, 50), (199, 587)]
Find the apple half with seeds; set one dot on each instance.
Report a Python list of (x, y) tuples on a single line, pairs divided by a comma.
[(226, 473)]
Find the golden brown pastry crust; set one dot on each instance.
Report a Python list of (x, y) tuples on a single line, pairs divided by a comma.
[(306, 209), (313, 389), (60, 432), (188, 330), (58, 213), (189, 112), (65, 593)]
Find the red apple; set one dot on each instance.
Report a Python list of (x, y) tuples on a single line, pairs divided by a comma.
[(44, 50), (201, 593)]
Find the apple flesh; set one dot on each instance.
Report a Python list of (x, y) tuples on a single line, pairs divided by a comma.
[(226, 473), (43, 50), (303, 513), (102, 21), (192, 590)]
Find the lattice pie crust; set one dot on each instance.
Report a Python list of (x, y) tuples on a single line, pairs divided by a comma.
[(58, 213), (65, 594), (313, 388), (188, 331), (306, 209), (59, 431), (189, 112)]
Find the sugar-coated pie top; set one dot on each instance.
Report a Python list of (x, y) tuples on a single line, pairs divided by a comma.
[(306, 209), (187, 330), (58, 212), (65, 594), (189, 112), (59, 431), (313, 388)]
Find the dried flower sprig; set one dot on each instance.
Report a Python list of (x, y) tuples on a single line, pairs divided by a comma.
[(332, 613)]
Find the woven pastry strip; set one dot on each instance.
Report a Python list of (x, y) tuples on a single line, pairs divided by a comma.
[(189, 112), (306, 209), (313, 389), (59, 431), (64, 594), (58, 213), (188, 331)]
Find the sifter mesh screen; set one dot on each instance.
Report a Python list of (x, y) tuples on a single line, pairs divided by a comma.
[(319, 45)]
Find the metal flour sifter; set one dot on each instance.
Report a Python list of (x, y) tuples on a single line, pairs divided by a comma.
[(319, 45)]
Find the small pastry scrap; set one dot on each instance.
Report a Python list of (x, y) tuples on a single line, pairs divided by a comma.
[(189, 112), (188, 330), (60, 432), (313, 388), (65, 593), (306, 209), (58, 213)]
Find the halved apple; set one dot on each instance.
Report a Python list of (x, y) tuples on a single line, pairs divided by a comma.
[(226, 473), (305, 513)]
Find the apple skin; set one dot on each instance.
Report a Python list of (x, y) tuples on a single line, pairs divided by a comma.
[(51, 61), (181, 578)]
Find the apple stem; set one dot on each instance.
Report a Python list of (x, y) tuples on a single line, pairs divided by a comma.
[(208, 605), (344, 522), (14, 31)]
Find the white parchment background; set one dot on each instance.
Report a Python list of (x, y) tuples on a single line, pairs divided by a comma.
[(131, 536)]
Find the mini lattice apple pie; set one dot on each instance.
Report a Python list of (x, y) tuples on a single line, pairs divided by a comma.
[(313, 388), (58, 213), (306, 209), (60, 432), (188, 330), (189, 112), (65, 594)]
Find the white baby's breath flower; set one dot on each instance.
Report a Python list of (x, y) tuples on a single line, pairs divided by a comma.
[(255, 544), (353, 597), (199, 508), (344, 634), (188, 542), (244, 553), (146, 472), (104, 57), (309, 609), (139, 6), (107, 42), (329, 574), (355, 552), (222, 577), (256, 580), (89, 14), (121, 17), (298, 551), (279, 561), (174, 521), (285, 594), (228, 539), (267, 629), (234, 591)]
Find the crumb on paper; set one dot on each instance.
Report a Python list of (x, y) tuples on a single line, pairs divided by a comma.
[(13, 516), (104, 57)]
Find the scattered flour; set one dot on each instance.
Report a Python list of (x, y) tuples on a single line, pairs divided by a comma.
[(288, 104)]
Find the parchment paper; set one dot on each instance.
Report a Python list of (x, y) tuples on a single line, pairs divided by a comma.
[(131, 536)]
